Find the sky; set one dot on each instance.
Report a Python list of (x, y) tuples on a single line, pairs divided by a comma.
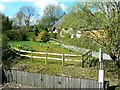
[(11, 7)]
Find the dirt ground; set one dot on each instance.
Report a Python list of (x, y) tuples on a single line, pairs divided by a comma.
[(14, 85)]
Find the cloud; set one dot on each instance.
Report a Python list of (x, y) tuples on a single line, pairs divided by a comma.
[(8, 0), (63, 6), (43, 3), (2, 7)]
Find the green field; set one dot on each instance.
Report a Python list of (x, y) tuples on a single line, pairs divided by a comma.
[(40, 46)]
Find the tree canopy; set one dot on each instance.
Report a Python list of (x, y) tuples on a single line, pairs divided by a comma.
[(6, 23), (52, 13), (98, 16)]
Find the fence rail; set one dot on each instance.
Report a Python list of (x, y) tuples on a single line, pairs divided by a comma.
[(49, 81), (86, 57), (46, 57)]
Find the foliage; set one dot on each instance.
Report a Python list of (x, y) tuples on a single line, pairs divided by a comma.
[(7, 54), (6, 23), (71, 69), (82, 42), (18, 21), (25, 47), (53, 35), (22, 35), (43, 36), (98, 15), (26, 12), (52, 14), (12, 35), (31, 28), (17, 35)]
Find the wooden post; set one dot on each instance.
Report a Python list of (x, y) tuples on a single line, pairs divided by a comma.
[(82, 61), (63, 60), (46, 58), (31, 55), (19, 54)]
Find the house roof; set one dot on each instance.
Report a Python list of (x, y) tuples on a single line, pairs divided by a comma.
[(58, 23)]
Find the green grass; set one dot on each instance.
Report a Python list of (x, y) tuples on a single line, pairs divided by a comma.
[(81, 42), (54, 67), (71, 69), (42, 47)]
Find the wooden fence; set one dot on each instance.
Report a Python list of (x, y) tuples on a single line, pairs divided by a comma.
[(63, 59), (86, 58), (49, 81)]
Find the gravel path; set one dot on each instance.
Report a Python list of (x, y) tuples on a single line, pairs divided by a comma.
[(83, 51)]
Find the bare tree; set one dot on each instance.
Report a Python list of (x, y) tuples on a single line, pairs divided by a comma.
[(19, 19), (28, 13)]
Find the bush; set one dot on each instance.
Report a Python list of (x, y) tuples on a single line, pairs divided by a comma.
[(17, 35), (7, 54), (53, 35), (43, 36), (22, 35), (12, 35)]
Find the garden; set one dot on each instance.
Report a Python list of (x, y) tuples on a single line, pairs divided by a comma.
[(41, 48)]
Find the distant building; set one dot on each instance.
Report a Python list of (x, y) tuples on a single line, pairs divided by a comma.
[(77, 33)]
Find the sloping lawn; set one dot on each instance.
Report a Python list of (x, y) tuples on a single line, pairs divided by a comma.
[(40, 46), (70, 69)]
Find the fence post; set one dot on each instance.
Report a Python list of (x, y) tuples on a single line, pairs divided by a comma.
[(46, 58), (19, 54), (82, 61), (31, 55), (63, 59)]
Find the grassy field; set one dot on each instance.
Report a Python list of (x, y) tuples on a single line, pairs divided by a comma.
[(40, 46), (71, 69)]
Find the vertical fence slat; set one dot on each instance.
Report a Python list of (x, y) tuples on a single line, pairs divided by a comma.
[(39, 80), (52, 82), (48, 81)]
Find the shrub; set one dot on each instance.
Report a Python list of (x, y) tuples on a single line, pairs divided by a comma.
[(43, 36), (53, 35), (12, 35), (34, 38), (17, 35), (7, 53), (22, 35)]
